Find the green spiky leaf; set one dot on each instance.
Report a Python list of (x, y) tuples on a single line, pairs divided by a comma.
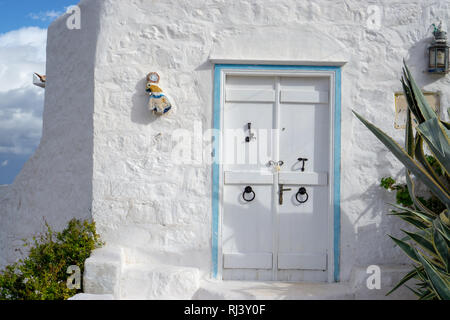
[(423, 216), (412, 193), (420, 157), (422, 241), (436, 137), (406, 247), (439, 284), (441, 249), (426, 111), (406, 278)]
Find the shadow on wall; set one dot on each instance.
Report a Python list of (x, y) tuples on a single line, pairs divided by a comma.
[(371, 242), (374, 196)]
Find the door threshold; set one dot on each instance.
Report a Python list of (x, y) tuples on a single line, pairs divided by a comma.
[(272, 290)]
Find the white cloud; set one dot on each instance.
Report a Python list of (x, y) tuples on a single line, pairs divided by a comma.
[(45, 16), (22, 52), (4, 163)]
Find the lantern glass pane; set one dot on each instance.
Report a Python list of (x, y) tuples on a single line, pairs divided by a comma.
[(447, 56), (432, 57), (440, 58)]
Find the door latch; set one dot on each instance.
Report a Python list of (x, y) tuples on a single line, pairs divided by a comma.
[(280, 193), (276, 164), (251, 135), (303, 160)]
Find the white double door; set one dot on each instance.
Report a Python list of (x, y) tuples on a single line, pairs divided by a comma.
[(265, 237)]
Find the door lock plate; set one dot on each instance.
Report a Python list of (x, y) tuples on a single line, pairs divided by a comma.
[(280, 193)]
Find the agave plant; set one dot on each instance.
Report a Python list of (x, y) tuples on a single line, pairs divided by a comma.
[(428, 245)]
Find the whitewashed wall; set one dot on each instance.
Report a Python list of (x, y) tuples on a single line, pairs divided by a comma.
[(56, 182), (153, 211)]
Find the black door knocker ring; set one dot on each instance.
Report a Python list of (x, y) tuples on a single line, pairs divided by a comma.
[(301, 192), (248, 189)]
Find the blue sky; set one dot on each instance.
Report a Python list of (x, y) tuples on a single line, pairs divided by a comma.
[(16, 14), (23, 36)]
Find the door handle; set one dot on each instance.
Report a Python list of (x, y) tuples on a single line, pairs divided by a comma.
[(248, 189), (276, 164), (303, 160), (280, 193), (251, 135), (302, 192)]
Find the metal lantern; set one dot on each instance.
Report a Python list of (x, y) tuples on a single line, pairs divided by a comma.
[(438, 51)]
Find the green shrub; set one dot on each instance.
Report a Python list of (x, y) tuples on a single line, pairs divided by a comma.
[(402, 194), (43, 274)]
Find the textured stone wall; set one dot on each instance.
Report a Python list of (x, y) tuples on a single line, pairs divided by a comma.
[(146, 202)]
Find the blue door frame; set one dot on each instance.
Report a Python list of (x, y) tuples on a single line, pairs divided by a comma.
[(336, 153)]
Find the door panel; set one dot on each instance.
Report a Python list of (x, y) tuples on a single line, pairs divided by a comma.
[(304, 133), (302, 261), (246, 225), (304, 96), (303, 178), (303, 228), (247, 260), (263, 239), (248, 177), (251, 95), (241, 155)]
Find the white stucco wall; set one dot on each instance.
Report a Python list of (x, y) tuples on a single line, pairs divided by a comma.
[(56, 182), (101, 144), (143, 201)]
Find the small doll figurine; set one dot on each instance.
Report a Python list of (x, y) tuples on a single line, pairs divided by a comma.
[(158, 102)]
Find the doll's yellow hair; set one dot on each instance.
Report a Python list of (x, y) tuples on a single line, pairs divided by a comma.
[(155, 88)]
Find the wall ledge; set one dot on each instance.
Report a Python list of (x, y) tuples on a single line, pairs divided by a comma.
[(215, 60)]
